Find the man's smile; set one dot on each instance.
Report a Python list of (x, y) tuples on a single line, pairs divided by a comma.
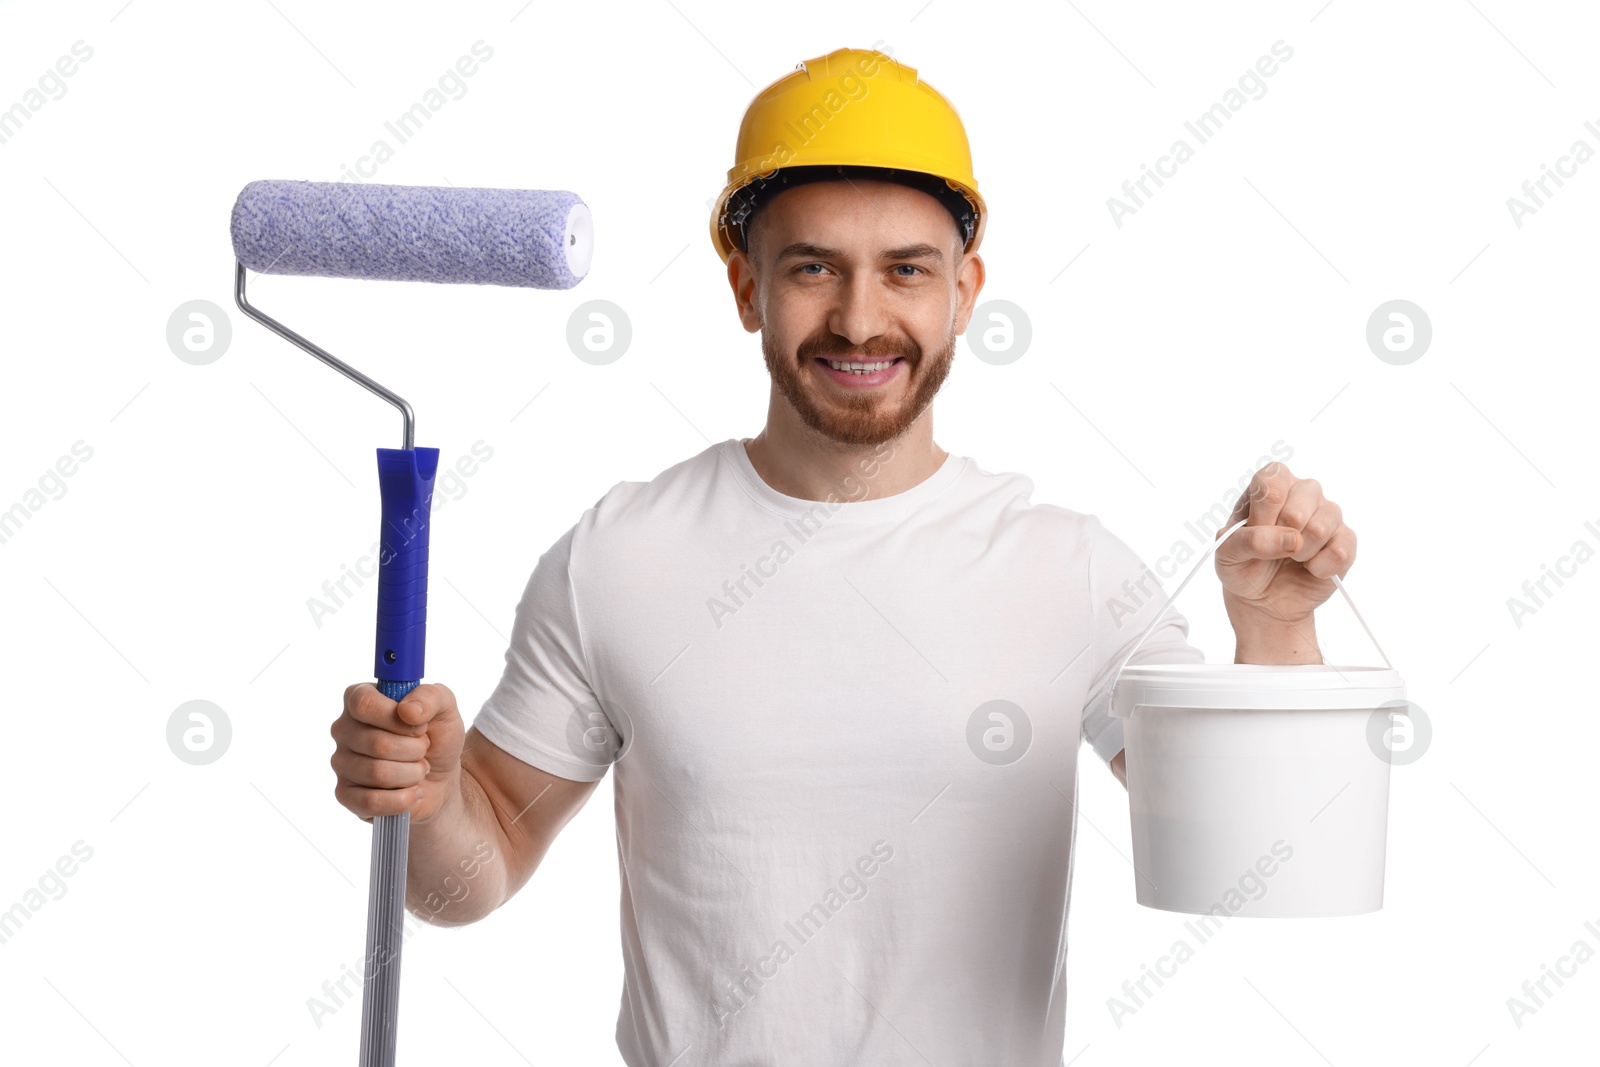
[(860, 374)]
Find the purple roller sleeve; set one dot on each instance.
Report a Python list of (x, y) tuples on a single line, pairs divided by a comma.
[(536, 238)]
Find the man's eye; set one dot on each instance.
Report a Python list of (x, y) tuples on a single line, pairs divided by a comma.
[(807, 266), (907, 266)]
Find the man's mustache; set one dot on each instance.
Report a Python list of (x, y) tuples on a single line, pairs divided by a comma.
[(832, 346)]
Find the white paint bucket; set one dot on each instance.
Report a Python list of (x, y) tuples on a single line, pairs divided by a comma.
[(1254, 789)]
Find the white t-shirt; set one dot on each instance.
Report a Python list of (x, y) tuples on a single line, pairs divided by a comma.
[(835, 847)]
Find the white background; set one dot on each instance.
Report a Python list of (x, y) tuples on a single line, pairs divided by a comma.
[(1227, 314)]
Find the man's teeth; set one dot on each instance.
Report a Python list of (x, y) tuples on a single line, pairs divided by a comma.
[(859, 368)]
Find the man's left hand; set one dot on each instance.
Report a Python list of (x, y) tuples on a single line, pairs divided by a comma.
[(1279, 566)]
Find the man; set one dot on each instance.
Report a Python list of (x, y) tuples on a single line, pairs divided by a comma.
[(842, 674)]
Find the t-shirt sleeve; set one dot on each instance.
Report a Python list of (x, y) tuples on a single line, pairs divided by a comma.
[(1122, 613), (544, 708)]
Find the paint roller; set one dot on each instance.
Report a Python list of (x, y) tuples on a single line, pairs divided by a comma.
[(540, 239)]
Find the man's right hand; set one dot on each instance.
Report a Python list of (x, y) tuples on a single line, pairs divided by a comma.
[(393, 757)]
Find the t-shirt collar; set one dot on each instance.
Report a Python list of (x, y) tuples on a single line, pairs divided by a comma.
[(844, 505)]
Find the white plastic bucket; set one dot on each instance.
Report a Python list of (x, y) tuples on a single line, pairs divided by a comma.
[(1254, 789)]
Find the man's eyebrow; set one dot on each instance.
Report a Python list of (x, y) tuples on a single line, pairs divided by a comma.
[(918, 251), (804, 249), (810, 251)]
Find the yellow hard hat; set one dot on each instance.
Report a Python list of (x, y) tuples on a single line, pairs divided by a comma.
[(851, 108)]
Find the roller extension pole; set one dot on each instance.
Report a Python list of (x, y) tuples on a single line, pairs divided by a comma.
[(380, 985)]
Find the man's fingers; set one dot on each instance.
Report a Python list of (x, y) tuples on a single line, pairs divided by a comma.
[(1306, 510), (368, 803), (360, 770), (365, 704), (1258, 542), (378, 743), (1265, 496), (425, 703), (1318, 530), (387, 751), (1336, 556), (1289, 518), (1302, 497)]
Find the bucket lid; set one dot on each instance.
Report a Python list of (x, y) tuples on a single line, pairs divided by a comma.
[(1255, 686)]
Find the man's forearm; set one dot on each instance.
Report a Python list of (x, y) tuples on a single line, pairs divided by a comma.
[(456, 872)]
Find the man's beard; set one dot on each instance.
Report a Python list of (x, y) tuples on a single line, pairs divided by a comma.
[(857, 417)]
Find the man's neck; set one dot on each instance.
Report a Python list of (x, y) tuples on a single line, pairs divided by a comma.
[(796, 462)]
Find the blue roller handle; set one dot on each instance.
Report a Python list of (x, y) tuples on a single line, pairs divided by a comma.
[(405, 480)]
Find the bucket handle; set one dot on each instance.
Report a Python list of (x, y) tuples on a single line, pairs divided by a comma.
[(1115, 678)]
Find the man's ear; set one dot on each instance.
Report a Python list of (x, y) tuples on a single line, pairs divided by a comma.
[(969, 283), (742, 279)]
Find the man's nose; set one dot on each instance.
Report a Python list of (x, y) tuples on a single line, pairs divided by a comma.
[(860, 312)]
